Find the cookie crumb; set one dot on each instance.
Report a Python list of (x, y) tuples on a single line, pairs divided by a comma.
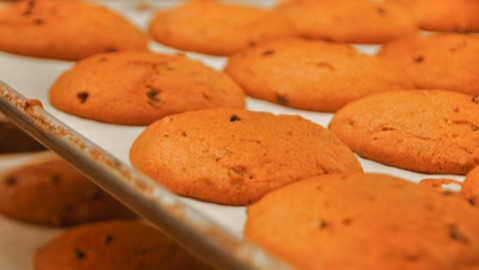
[(267, 53), (281, 99)]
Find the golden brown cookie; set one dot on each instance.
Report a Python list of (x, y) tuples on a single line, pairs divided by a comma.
[(232, 156), (442, 61), (67, 30), (351, 21), (312, 75), (216, 28), (114, 245), (365, 221), (51, 192), (445, 15), (429, 131), (137, 88)]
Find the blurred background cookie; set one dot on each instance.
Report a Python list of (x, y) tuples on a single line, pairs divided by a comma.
[(115, 245), (49, 191), (351, 21), (216, 28), (445, 15), (15, 140), (67, 30)]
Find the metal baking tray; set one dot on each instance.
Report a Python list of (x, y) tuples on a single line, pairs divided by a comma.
[(100, 151)]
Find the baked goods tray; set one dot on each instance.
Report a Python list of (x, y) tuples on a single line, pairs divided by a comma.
[(100, 151)]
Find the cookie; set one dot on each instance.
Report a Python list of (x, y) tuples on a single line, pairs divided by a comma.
[(66, 30), (445, 15), (312, 75), (350, 21), (114, 245), (14, 140), (137, 88), (365, 221), (429, 131), (51, 192), (233, 156), (441, 61), (470, 187), (216, 28)]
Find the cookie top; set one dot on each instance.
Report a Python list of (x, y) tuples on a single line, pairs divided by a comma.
[(67, 30), (365, 221), (441, 61), (445, 15), (137, 88), (350, 21), (51, 192), (429, 131), (232, 156), (312, 75), (114, 245), (216, 28)]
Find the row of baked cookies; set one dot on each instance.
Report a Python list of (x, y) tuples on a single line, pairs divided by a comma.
[(73, 30)]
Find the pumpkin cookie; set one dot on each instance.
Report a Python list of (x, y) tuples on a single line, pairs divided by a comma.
[(351, 21), (137, 88), (445, 15), (442, 61), (216, 28), (312, 75), (233, 156), (426, 131), (365, 221), (51, 192), (67, 30), (114, 245)]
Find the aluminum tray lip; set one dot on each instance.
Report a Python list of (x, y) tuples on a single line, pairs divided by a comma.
[(142, 194)]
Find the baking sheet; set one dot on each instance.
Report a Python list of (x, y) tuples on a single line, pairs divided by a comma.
[(33, 77)]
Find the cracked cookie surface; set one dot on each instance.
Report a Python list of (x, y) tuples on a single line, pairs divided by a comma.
[(429, 131)]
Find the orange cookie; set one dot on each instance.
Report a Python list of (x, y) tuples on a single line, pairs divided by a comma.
[(351, 21), (428, 131), (137, 88), (312, 75), (442, 61), (114, 245), (445, 15), (51, 192), (365, 221), (216, 28), (68, 30), (233, 156)]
